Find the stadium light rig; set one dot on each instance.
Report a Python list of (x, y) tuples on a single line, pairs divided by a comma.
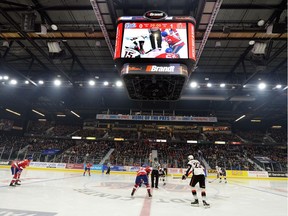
[(75, 114), (243, 116), (13, 112), (39, 113)]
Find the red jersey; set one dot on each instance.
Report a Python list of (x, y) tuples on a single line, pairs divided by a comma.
[(21, 164), (143, 171), (89, 165), (173, 40)]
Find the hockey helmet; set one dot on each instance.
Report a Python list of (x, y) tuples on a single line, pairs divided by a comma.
[(190, 157)]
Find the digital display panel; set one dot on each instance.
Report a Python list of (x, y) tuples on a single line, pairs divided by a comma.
[(161, 40)]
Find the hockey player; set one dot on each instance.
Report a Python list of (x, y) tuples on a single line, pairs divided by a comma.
[(87, 168), (221, 172), (173, 40), (198, 176), (162, 176), (142, 177), (16, 169)]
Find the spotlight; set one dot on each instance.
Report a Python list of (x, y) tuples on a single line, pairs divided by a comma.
[(57, 82), (13, 82), (193, 84), (262, 86), (260, 22), (91, 82), (119, 83)]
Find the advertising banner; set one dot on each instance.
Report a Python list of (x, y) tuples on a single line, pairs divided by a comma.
[(74, 166), (278, 174), (156, 118), (47, 165), (50, 151), (258, 174)]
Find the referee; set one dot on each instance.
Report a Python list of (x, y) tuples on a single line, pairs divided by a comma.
[(155, 173)]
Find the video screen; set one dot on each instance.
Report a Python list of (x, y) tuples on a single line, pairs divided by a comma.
[(155, 40)]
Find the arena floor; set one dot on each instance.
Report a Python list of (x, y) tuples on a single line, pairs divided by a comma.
[(63, 193)]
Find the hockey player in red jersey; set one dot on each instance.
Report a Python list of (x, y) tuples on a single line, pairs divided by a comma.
[(87, 168), (16, 169), (142, 177), (173, 39), (198, 176)]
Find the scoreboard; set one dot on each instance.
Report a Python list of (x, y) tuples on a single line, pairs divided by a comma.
[(162, 47)]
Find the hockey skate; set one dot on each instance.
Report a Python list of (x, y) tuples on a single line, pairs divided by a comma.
[(149, 194), (205, 204), (12, 185), (195, 202), (17, 183), (133, 191)]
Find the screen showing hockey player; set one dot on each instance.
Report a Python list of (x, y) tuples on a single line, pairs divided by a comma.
[(154, 40)]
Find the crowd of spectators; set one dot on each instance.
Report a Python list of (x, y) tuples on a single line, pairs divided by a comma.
[(139, 142), (279, 135)]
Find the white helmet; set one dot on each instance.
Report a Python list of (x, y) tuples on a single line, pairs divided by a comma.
[(190, 157)]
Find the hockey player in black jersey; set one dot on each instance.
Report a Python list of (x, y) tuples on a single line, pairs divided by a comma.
[(198, 176)]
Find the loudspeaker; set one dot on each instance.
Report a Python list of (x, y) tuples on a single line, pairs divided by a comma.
[(28, 22)]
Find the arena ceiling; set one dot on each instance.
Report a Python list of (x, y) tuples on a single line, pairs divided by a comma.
[(225, 57)]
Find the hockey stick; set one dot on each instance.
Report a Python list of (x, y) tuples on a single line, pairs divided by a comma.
[(213, 180)]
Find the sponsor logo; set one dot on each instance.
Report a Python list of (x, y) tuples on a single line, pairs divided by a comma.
[(155, 15), (125, 18), (130, 25), (154, 68)]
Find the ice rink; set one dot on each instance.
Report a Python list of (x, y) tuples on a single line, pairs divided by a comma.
[(67, 193)]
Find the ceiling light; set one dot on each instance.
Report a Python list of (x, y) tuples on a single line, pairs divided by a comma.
[(1, 77), (278, 86), (75, 114), (91, 82), (262, 86), (54, 27), (11, 111), (26, 82), (57, 82), (260, 22), (13, 82), (119, 83), (218, 44), (5, 77), (37, 112), (209, 85), (243, 116), (106, 83), (40, 82), (193, 84), (222, 85), (252, 42)]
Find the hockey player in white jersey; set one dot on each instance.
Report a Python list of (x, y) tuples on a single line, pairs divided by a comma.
[(221, 172), (198, 176)]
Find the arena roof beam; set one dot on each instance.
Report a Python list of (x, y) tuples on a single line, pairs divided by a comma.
[(34, 44)]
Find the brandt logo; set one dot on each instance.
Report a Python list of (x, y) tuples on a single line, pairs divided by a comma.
[(154, 68), (155, 15)]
